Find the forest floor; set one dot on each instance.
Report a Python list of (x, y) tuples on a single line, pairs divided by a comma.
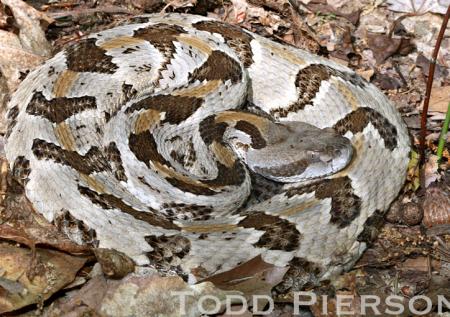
[(389, 43)]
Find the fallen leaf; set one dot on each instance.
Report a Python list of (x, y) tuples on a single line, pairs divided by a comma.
[(142, 296), (30, 21), (336, 37), (115, 264), (322, 6), (22, 52), (20, 223), (254, 277), (366, 74), (436, 207), (440, 98), (431, 170), (424, 64), (419, 6), (387, 82), (303, 36), (417, 264), (384, 46), (56, 269), (177, 4)]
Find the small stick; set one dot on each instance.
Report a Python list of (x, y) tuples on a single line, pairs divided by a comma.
[(423, 122)]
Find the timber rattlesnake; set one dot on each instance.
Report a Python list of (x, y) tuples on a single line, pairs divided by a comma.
[(124, 140)]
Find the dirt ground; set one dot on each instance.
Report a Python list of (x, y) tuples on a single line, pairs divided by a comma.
[(389, 43)]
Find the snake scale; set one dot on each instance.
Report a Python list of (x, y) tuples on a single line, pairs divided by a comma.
[(189, 143)]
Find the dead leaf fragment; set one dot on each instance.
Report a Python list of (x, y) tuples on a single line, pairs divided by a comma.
[(20, 223), (254, 277), (141, 296), (436, 207), (419, 6), (384, 46), (56, 269), (431, 170), (22, 52), (29, 21), (115, 264), (440, 98)]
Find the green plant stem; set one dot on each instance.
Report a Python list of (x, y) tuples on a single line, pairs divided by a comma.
[(443, 136)]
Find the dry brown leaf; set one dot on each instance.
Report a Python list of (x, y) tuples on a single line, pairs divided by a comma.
[(177, 4), (115, 264), (303, 36), (337, 38), (22, 52), (3, 18), (418, 264), (431, 170), (436, 207), (440, 98), (56, 269), (140, 296), (322, 6), (21, 224), (254, 277), (419, 6), (384, 46), (366, 74), (29, 21)]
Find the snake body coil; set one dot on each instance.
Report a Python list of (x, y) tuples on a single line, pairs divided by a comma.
[(187, 142)]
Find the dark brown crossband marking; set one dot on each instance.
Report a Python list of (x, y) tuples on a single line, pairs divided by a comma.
[(233, 176), (234, 37), (280, 234), (177, 108), (59, 109), (345, 205), (262, 189), (66, 223), (287, 170), (93, 161), (85, 56), (136, 20), (107, 201), (187, 211), (21, 170), (190, 187), (115, 160), (12, 119), (372, 227), (258, 142), (144, 147), (168, 250), (211, 131), (128, 91), (309, 80), (162, 37), (301, 274), (218, 66), (357, 120)]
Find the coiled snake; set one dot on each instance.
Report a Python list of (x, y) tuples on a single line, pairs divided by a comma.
[(190, 143)]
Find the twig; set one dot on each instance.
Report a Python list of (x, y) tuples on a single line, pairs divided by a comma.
[(423, 122), (443, 136), (87, 11)]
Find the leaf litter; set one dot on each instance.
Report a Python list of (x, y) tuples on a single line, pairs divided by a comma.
[(388, 43)]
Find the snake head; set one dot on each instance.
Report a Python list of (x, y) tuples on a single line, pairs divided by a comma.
[(297, 151)]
